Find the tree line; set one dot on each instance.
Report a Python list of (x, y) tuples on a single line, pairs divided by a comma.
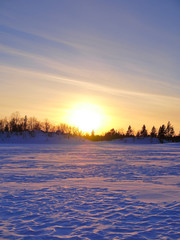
[(164, 132), (18, 124)]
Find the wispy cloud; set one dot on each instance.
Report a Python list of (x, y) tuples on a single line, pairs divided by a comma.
[(119, 60), (83, 73), (103, 73), (87, 85)]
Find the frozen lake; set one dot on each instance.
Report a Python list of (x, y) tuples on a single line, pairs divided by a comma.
[(90, 191)]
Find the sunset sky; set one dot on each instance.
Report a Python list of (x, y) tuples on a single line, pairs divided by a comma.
[(121, 56)]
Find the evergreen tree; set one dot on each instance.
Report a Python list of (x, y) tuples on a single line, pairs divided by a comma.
[(169, 130), (153, 132), (144, 131), (138, 134), (129, 132), (162, 132)]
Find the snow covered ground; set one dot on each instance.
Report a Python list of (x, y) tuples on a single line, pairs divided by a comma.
[(90, 191), (53, 138), (36, 137)]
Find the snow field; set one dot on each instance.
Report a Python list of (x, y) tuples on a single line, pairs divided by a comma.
[(90, 191)]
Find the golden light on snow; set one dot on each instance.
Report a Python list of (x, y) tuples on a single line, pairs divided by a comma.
[(86, 117)]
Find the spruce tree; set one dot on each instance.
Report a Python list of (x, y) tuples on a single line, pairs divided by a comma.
[(169, 130), (144, 131), (162, 132), (129, 132), (153, 132)]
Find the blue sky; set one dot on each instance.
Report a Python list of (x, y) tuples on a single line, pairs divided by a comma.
[(121, 55)]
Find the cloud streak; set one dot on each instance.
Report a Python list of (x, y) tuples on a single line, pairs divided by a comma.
[(93, 52), (87, 85)]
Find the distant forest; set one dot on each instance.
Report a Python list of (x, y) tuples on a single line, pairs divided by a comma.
[(18, 124)]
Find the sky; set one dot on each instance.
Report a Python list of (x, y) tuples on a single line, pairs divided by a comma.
[(120, 55)]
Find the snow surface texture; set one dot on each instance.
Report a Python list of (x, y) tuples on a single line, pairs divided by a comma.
[(90, 191)]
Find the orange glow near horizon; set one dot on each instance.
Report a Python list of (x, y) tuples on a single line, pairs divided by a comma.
[(86, 116)]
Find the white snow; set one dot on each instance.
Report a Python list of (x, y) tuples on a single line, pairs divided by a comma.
[(103, 190), (38, 137)]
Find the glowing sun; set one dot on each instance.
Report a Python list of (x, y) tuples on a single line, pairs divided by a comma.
[(86, 117)]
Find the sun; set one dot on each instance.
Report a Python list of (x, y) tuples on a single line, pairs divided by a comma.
[(86, 117)]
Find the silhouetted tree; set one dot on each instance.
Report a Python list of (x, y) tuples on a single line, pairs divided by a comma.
[(162, 132), (37, 126), (129, 132), (138, 134), (33, 124), (153, 132), (169, 130), (112, 132), (16, 122), (144, 131), (25, 123), (13, 126), (46, 125)]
